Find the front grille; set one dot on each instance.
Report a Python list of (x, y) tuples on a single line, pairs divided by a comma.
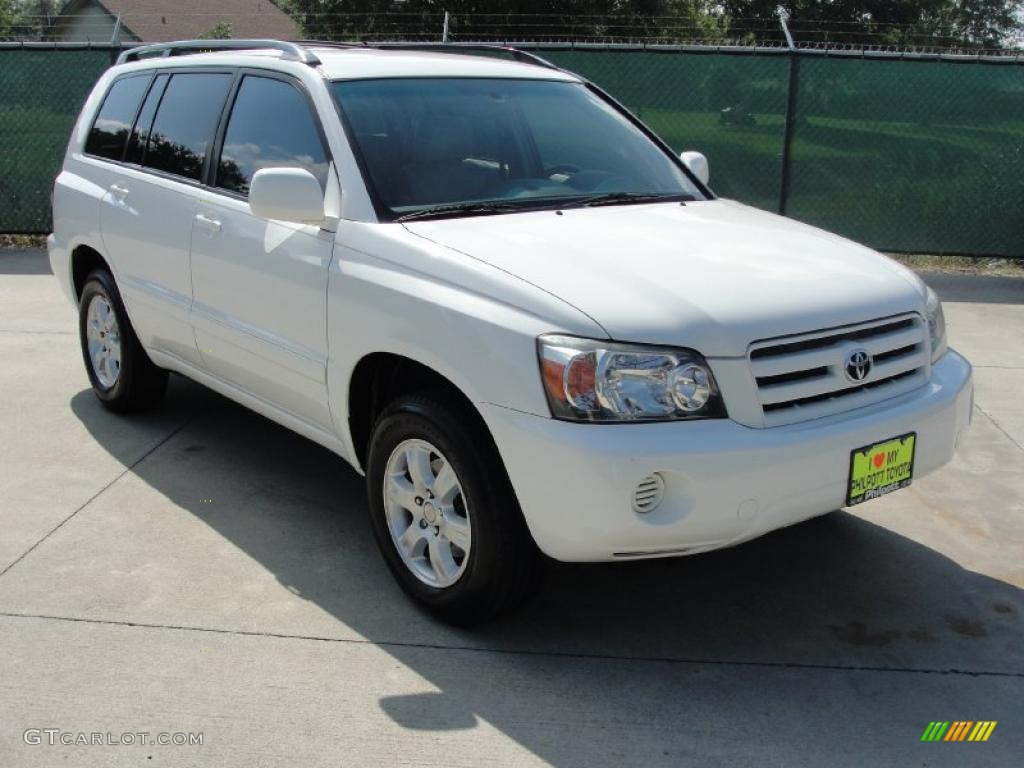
[(803, 377)]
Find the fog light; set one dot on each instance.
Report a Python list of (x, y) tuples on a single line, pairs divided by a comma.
[(648, 494), (691, 387)]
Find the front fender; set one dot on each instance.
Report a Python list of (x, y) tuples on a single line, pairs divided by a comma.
[(390, 291)]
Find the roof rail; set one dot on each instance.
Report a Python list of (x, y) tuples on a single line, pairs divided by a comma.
[(298, 50), (524, 57), (291, 51)]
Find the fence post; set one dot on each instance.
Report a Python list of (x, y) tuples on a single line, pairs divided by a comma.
[(787, 138), (444, 32), (791, 105)]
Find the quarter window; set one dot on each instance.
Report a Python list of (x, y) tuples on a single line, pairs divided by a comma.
[(271, 125), (115, 118), (185, 123)]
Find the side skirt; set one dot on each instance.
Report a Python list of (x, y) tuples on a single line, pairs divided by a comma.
[(327, 439)]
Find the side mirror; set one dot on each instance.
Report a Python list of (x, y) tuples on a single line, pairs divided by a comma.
[(698, 165), (288, 194)]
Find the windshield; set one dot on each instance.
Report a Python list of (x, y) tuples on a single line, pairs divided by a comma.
[(465, 143)]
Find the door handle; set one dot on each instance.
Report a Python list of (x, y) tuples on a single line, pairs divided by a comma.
[(208, 222), (118, 191)]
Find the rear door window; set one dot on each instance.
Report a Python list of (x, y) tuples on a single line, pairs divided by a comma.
[(140, 134), (271, 125), (185, 123), (114, 121)]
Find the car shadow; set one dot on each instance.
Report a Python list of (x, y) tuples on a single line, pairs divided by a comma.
[(834, 593)]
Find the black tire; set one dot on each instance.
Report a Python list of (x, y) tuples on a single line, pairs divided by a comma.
[(505, 566), (139, 384)]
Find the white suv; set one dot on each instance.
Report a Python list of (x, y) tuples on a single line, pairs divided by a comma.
[(488, 287)]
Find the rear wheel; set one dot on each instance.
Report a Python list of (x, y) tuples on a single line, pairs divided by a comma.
[(122, 375), (444, 512)]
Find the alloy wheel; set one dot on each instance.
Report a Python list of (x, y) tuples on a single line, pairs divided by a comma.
[(103, 338), (427, 514)]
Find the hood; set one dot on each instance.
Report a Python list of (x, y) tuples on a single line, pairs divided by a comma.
[(711, 275)]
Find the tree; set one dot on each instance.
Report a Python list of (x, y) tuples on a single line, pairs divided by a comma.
[(6, 17), (988, 22), (939, 23), (219, 31), (487, 19), (29, 19)]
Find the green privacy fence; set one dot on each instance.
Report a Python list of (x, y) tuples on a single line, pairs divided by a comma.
[(41, 92), (903, 154)]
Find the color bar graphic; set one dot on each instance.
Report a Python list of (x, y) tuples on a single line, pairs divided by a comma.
[(982, 730), (958, 730)]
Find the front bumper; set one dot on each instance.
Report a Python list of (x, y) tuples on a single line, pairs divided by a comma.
[(724, 483)]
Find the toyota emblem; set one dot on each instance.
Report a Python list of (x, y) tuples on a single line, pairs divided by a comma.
[(857, 365)]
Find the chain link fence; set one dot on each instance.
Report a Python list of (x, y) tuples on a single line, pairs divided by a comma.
[(41, 92), (904, 153)]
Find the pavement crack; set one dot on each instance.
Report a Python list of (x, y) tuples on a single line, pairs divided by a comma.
[(102, 490), (999, 426), (524, 651)]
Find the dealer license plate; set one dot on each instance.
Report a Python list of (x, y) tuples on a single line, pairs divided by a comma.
[(882, 468)]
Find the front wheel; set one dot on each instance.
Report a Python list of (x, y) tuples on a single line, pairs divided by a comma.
[(122, 375), (444, 512)]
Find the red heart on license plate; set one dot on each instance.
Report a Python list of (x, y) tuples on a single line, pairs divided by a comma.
[(879, 458)]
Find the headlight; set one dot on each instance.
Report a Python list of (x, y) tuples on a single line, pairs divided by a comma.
[(936, 325), (589, 380)]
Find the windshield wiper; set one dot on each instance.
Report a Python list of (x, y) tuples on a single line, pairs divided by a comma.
[(464, 209), (616, 198), (541, 204)]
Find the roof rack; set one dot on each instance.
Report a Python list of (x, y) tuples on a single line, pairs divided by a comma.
[(524, 57), (298, 50), (291, 51)]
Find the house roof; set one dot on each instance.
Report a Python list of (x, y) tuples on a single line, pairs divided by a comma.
[(155, 21)]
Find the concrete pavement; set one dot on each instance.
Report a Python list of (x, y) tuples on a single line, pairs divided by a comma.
[(200, 569)]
